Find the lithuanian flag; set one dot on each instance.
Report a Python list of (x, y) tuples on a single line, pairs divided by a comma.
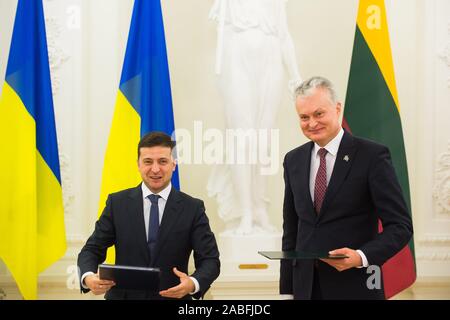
[(372, 110), (32, 234), (144, 101)]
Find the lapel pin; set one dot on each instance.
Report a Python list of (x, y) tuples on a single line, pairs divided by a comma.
[(346, 158)]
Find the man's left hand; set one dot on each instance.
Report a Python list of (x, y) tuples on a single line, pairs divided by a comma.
[(185, 287), (353, 260)]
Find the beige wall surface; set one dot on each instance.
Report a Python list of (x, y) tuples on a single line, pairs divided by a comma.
[(322, 32), (87, 41)]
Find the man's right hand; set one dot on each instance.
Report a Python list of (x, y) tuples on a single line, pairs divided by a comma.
[(96, 285)]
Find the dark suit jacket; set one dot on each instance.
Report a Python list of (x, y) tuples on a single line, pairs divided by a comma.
[(361, 191), (184, 228)]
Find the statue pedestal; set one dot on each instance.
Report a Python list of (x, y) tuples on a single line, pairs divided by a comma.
[(240, 260)]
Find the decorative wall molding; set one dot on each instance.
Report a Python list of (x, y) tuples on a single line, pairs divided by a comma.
[(441, 189), (433, 256), (444, 54), (56, 55), (76, 240), (66, 183), (437, 240)]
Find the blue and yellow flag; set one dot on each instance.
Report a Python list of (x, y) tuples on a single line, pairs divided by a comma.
[(144, 101), (32, 234)]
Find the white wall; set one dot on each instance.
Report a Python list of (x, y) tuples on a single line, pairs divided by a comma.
[(88, 55)]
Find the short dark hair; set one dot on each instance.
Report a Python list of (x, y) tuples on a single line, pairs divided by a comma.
[(155, 139)]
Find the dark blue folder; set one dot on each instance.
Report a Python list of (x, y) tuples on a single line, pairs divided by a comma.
[(131, 278), (294, 255)]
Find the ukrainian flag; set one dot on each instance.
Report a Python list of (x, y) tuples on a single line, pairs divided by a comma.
[(144, 101), (32, 234)]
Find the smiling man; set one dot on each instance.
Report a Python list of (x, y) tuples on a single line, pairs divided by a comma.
[(153, 225), (337, 188)]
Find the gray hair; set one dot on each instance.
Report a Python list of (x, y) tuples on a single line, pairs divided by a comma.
[(306, 88)]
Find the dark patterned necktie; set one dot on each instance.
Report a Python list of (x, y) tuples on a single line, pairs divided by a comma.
[(320, 186), (153, 223)]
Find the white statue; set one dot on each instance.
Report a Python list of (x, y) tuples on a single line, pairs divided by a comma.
[(254, 49)]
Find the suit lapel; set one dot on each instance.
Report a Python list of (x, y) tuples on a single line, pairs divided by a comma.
[(136, 210), (305, 172), (344, 160), (171, 213)]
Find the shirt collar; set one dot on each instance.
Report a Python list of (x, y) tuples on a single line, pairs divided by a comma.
[(333, 146), (163, 193)]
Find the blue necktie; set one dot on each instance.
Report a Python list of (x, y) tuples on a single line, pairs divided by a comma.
[(153, 225)]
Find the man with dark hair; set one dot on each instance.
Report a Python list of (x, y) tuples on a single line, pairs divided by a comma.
[(153, 225), (154, 139)]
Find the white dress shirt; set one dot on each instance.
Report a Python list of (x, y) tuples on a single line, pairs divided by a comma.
[(164, 195), (332, 149)]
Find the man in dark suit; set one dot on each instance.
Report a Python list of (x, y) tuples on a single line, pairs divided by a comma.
[(337, 187), (153, 225)]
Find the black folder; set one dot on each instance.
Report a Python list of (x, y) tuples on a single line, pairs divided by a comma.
[(131, 278), (294, 255)]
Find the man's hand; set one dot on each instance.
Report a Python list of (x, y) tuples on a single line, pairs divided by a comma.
[(185, 287), (353, 260), (96, 285)]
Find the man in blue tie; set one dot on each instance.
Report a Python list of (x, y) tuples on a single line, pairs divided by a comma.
[(153, 225)]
